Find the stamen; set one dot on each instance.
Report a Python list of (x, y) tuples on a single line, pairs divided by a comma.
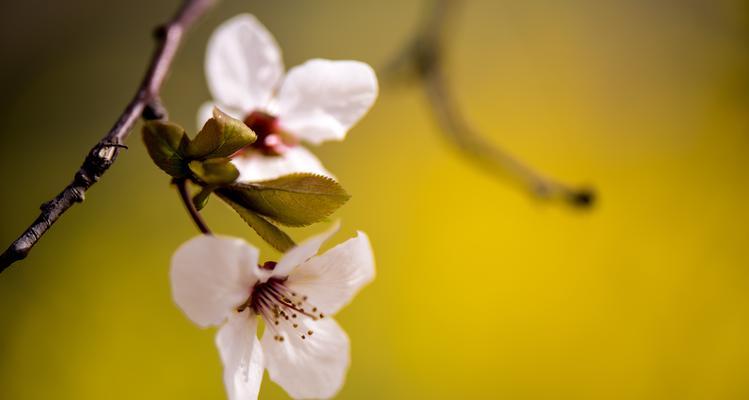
[(277, 289), (276, 304)]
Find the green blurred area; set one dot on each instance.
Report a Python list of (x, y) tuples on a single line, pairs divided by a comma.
[(481, 292)]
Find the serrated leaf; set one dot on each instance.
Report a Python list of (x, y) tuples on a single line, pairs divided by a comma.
[(215, 171), (164, 142), (201, 198), (294, 200), (221, 136), (269, 232)]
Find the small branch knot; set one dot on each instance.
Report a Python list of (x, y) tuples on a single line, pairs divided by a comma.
[(47, 206), (78, 195), (160, 32), (155, 111), (426, 56)]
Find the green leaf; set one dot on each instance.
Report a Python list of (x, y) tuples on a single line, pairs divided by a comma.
[(221, 136), (164, 142), (269, 232), (201, 198), (294, 200), (215, 171)]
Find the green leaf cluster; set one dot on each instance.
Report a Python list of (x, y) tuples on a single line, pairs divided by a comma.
[(294, 200), (205, 158)]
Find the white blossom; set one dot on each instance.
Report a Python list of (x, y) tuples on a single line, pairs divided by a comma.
[(314, 102), (218, 281)]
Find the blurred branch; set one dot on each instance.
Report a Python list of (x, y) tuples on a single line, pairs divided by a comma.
[(713, 16), (424, 58), (144, 104)]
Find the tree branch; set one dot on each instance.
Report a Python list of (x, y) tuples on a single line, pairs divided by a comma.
[(425, 56), (145, 103)]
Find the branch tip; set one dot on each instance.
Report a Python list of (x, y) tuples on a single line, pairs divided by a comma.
[(582, 198)]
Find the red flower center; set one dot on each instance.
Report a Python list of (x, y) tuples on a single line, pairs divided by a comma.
[(271, 140)]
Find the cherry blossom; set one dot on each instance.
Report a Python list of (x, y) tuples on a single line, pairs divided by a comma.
[(218, 281), (317, 101)]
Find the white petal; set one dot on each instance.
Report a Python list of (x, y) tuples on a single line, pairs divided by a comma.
[(205, 112), (243, 64), (321, 99), (241, 355), (303, 251), (310, 368), (254, 166), (212, 276), (331, 280)]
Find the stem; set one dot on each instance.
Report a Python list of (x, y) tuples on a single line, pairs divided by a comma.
[(494, 158), (426, 54), (104, 153), (184, 195)]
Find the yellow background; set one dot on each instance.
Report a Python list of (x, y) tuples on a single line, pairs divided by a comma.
[(481, 291)]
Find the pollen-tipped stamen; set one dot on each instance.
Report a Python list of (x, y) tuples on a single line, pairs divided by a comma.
[(277, 305)]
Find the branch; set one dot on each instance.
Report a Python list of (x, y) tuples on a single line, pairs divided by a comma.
[(425, 56), (145, 103), (190, 206)]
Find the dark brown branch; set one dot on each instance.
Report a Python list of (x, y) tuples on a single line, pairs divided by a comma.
[(145, 103), (184, 195), (425, 57)]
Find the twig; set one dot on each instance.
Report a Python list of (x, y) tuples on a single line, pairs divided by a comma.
[(190, 206), (425, 55), (104, 153)]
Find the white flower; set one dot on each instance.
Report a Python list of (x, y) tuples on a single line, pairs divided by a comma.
[(315, 102), (217, 280)]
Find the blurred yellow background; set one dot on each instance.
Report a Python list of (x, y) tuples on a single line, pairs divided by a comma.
[(482, 292)]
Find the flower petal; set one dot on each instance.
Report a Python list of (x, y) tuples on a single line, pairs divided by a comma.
[(205, 112), (303, 252), (331, 280), (243, 64), (212, 276), (241, 355), (310, 368), (254, 166), (321, 99)]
